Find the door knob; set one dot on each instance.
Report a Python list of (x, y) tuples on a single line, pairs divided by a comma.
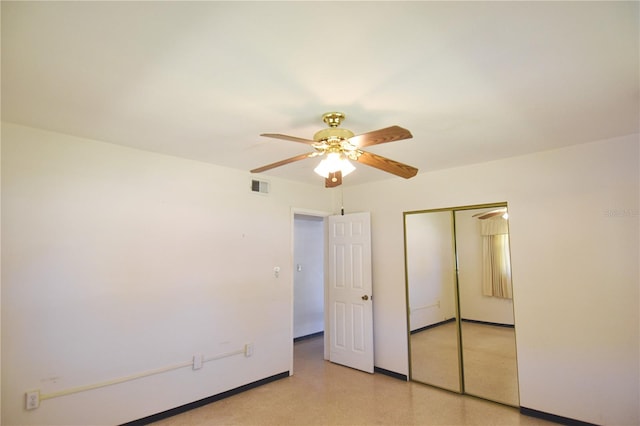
[(365, 297)]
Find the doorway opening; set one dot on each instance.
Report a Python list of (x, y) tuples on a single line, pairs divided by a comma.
[(308, 276)]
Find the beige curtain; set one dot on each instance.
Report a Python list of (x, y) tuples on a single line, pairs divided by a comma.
[(496, 269)]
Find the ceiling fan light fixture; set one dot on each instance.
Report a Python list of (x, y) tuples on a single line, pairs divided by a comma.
[(333, 163)]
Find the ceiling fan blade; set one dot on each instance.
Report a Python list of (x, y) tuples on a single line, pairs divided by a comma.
[(389, 134), (490, 214), (388, 165), (282, 162), (288, 138), (334, 179)]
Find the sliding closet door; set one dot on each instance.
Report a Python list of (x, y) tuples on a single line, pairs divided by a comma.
[(430, 265), (459, 301), (486, 304)]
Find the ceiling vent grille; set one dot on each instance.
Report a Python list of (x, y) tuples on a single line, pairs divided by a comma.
[(259, 186)]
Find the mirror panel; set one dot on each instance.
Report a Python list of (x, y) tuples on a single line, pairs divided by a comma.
[(486, 304), (433, 325)]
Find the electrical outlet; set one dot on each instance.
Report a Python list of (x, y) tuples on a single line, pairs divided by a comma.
[(32, 399), (248, 349), (197, 361)]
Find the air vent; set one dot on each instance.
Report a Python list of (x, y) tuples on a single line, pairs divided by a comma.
[(259, 186)]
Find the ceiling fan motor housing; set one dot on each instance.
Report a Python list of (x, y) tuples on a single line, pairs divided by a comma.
[(334, 139), (332, 133)]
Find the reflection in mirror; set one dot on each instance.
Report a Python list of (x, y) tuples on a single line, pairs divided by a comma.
[(430, 265), (486, 304), (461, 323)]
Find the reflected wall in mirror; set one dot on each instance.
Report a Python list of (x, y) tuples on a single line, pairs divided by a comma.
[(433, 334), (459, 298)]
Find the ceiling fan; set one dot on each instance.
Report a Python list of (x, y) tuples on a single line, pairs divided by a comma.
[(339, 145)]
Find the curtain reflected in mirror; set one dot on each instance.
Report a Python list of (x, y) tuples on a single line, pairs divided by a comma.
[(432, 299), (459, 298)]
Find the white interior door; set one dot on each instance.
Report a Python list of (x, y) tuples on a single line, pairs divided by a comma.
[(350, 298)]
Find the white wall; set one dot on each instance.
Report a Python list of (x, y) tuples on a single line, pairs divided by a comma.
[(308, 273), (574, 228), (117, 261)]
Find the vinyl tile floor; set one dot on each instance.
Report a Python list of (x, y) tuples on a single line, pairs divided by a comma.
[(323, 393)]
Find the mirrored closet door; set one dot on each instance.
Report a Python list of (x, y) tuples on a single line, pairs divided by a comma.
[(432, 302), (460, 303)]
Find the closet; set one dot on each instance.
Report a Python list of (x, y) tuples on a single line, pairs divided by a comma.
[(460, 301)]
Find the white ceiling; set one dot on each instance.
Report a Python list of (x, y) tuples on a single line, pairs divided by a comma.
[(473, 81)]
